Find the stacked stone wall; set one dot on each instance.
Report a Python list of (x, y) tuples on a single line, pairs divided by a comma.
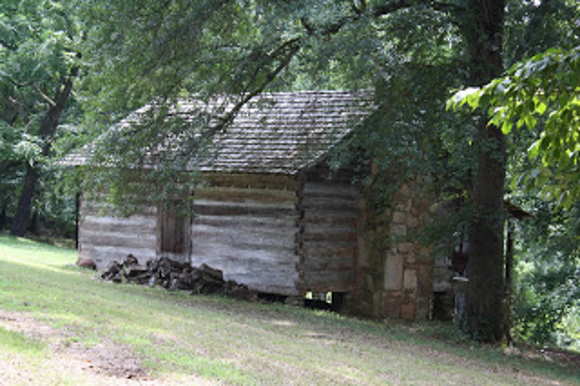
[(395, 269)]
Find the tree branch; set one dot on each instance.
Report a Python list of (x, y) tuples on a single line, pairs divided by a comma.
[(328, 30), (390, 7), (292, 46), (445, 7), (51, 119), (283, 54), (359, 10), (397, 5), (44, 96)]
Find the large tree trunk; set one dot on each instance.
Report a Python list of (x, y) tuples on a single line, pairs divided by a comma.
[(483, 319), (22, 217), (48, 127), (484, 303)]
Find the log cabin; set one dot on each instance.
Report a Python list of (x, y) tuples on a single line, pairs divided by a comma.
[(273, 215)]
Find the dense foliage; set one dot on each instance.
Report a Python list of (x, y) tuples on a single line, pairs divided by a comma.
[(38, 66), (541, 91), (547, 290)]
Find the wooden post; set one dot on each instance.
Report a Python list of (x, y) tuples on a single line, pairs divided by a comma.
[(77, 217)]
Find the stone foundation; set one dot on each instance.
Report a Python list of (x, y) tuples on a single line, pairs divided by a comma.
[(395, 270)]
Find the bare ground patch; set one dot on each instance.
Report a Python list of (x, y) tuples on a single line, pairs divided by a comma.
[(106, 363)]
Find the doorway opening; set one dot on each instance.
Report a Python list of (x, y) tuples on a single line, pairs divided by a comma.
[(174, 231)]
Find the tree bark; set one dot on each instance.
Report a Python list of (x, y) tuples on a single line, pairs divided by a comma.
[(22, 218), (483, 319), (3, 216), (484, 303), (509, 278), (48, 127)]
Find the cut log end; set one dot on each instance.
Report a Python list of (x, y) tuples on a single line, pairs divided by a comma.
[(86, 263)]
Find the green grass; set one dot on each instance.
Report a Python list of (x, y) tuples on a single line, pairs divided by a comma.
[(16, 342), (175, 336)]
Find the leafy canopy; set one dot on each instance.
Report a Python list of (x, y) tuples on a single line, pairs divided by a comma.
[(39, 61), (539, 93)]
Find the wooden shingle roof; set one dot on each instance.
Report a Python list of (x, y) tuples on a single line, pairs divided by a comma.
[(282, 132)]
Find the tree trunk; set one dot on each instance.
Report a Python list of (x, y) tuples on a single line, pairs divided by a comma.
[(22, 218), (483, 319), (509, 278), (3, 216), (48, 127), (484, 306)]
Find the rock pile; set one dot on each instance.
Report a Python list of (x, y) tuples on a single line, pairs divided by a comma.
[(173, 275)]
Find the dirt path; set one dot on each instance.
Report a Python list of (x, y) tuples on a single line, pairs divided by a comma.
[(69, 361)]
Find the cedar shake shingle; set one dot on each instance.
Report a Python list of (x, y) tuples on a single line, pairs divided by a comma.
[(281, 132)]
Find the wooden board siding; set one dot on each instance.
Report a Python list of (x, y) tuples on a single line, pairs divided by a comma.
[(263, 183), (248, 233), (329, 236), (104, 237)]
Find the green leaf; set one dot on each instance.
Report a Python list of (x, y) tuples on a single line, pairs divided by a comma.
[(530, 121), (469, 95), (540, 107), (534, 150), (506, 127)]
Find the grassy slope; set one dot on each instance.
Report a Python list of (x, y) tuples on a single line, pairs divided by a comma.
[(176, 335)]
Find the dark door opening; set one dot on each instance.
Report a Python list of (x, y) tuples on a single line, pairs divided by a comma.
[(174, 232)]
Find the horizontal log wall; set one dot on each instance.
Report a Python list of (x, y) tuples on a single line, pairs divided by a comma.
[(284, 238), (329, 236), (249, 233), (105, 237)]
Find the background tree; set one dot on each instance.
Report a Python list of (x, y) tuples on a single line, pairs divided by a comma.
[(38, 66), (547, 292)]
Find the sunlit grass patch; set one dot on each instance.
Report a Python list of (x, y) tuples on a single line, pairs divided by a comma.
[(168, 360), (16, 342)]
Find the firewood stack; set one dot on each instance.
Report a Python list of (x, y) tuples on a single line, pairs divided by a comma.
[(173, 275)]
